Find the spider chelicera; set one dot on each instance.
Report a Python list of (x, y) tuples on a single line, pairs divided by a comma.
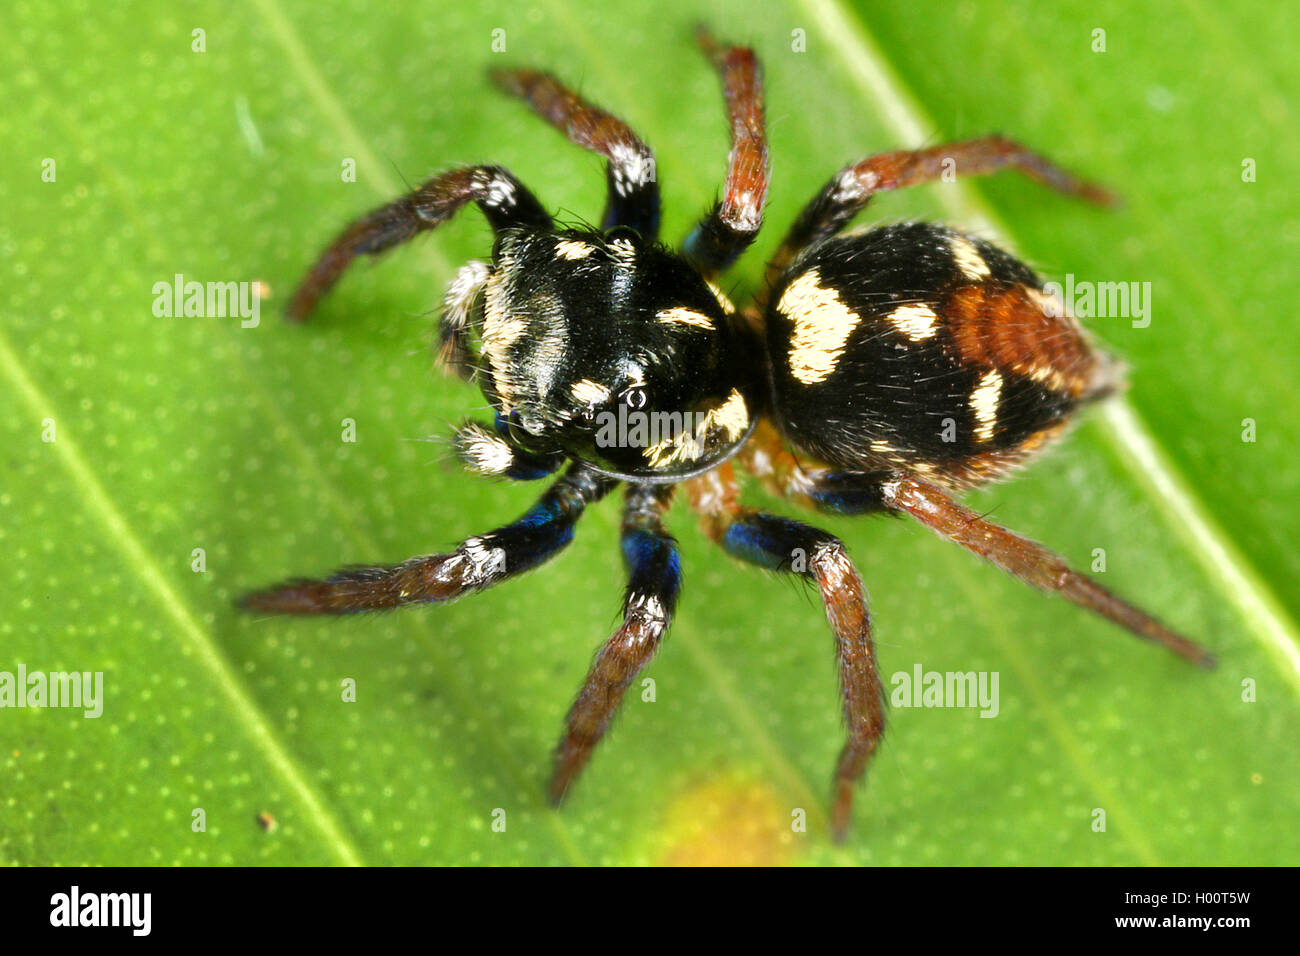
[(878, 372)]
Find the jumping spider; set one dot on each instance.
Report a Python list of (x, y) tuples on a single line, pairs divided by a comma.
[(878, 372)]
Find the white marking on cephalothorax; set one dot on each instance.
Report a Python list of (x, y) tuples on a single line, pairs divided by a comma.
[(590, 392), (968, 259), (822, 324), (984, 403), (684, 316), (500, 328), (623, 252), (732, 417), (500, 331), (915, 322), (573, 249), (633, 372), (458, 300)]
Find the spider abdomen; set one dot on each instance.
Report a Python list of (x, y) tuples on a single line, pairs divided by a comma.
[(921, 348)]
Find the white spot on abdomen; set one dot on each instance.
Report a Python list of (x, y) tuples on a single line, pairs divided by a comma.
[(915, 322), (984, 404), (968, 259), (822, 325)]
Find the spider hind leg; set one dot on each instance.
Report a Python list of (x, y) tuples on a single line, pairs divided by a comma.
[(1030, 562)]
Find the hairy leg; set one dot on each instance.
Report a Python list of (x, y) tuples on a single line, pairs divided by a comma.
[(503, 199), (478, 563), (791, 547), (633, 185), (732, 224), (654, 580), (852, 188), (846, 492), (1029, 561)]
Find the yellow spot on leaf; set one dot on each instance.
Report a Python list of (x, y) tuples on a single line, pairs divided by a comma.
[(732, 820)]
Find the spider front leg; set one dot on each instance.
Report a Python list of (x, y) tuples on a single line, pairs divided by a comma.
[(853, 187), (478, 563), (504, 201), (654, 581), (633, 185), (727, 231)]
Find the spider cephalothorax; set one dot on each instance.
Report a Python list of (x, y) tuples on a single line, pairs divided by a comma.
[(579, 337), (878, 372)]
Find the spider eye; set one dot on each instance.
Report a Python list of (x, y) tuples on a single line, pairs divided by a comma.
[(634, 397)]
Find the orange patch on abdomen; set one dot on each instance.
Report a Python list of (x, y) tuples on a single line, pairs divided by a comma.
[(1007, 328)]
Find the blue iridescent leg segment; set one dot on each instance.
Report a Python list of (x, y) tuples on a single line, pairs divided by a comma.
[(654, 581), (479, 562), (791, 547)]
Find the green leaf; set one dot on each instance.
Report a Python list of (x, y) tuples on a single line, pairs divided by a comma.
[(175, 434)]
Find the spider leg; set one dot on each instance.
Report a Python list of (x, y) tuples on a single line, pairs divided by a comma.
[(654, 580), (455, 349), (858, 493), (851, 188), (633, 186), (780, 544), (504, 201), (731, 226), (478, 563), (789, 546)]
